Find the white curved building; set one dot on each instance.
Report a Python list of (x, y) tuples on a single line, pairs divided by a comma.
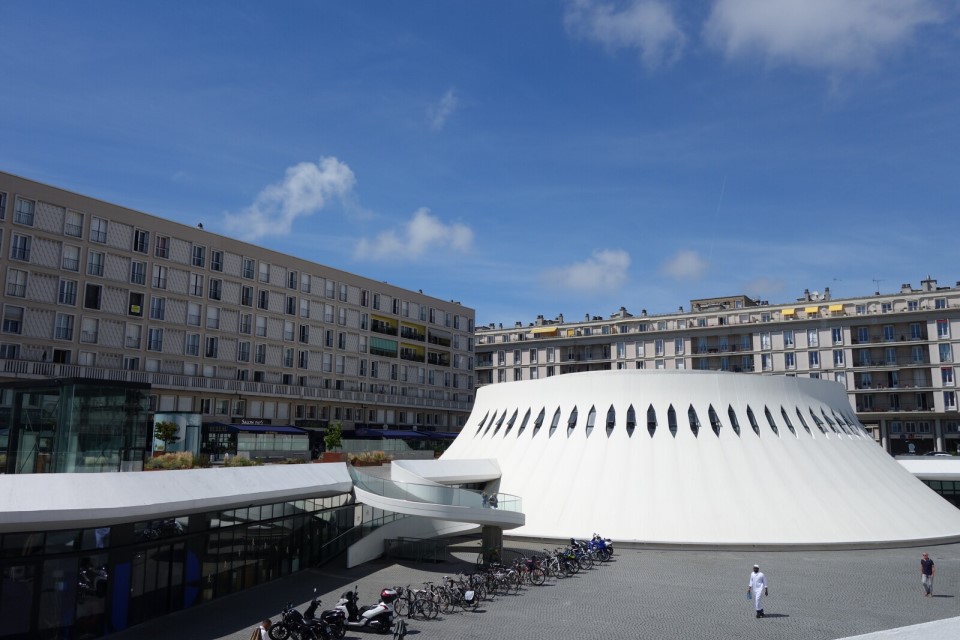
[(701, 458)]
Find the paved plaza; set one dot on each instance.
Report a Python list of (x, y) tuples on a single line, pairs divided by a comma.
[(661, 594)]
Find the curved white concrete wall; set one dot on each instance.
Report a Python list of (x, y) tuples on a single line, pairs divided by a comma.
[(802, 487)]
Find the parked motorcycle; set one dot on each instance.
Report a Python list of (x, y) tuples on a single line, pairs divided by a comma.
[(334, 618), (378, 617), (293, 625)]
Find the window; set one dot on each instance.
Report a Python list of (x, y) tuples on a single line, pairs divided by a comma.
[(138, 272), (196, 284), (788, 342), (71, 257), (216, 260), (863, 334), (766, 361), (916, 354), (658, 347), (264, 272), (20, 248), (243, 351), (95, 261), (216, 288), (68, 292), (198, 257), (765, 342), (73, 224), (304, 308), (141, 241), (91, 296), (261, 326), (23, 214), (946, 376), (342, 318), (16, 283), (163, 247), (305, 282), (940, 303), (246, 323), (213, 317), (343, 293), (790, 360), (193, 344), (291, 306), (888, 333), (946, 353), (943, 329), (212, 347), (813, 359), (248, 267), (912, 305), (63, 329), (159, 277), (303, 360), (246, 296), (838, 357), (98, 230), (288, 330), (3, 206), (916, 331), (9, 351), (328, 339), (261, 354), (157, 308), (836, 334), (193, 313), (813, 339), (678, 346), (12, 319), (288, 358), (263, 299), (155, 339), (950, 400), (886, 307)]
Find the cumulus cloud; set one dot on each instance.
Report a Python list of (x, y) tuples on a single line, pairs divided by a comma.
[(439, 113), (424, 232), (605, 271), (647, 26), (684, 265), (304, 190), (826, 34)]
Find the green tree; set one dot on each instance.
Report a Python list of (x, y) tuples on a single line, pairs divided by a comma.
[(166, 432), (333, 438)]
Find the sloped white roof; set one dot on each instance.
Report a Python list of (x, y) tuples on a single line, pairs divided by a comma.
[(802, 483)]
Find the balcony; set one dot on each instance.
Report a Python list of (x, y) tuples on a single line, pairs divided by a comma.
[(410, 334), (382, 327), (88, 337), (411, 355), (438, 359)]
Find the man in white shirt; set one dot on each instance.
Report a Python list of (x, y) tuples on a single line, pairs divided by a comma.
[(758, 587)]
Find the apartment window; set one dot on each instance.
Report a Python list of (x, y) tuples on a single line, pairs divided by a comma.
[(912, 305), (950, 400), (813, 359), (328, 310), (261, 327), (916, 354), (790, 360), (365, 299), (193, 313), (940, 303), (212, 347), (916, 331), (886, 307), (23, 214), (248, 267), (838, 357), (888, 333), (3, 206), (12, 319), (303, 360), (766, 361), (678, 347), (63, 328), (196, 284), (813, 338), (550, 354), (138, 272), (946, 376), (328, 339), (261, 354), (305, 282), (263, 299), (9, 351), (163, 247), (198, 256), (533, 354), (291, 306), (943, 329), (20, 248), (95, 260), (342, 317), (135, 304), (216, 260), (343, 292), (71, 257), (304, 308), (73, 224), (863, 334), (890, 355), (246, 323), (946, 353), (193, 344), (155, 339), (157, 308), (330, 288), (68, 292), (98, 230), (91, 296), (213, 317), (159, 277), (836, 334), (288, 357), (658, 347), (246, 296), (16, 283), (264, 272), (288, 330), (216, 288), (141, 241), (243, 351)]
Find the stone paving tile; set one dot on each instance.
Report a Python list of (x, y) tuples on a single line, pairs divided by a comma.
[(661, 594)]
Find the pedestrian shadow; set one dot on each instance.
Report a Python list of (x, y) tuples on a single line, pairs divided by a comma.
[(775, 615), (944, 595)]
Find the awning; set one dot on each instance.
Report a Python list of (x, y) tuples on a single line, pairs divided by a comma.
[(788, 312), (812, 310), (836, 307), (545, 331), (266, 428)]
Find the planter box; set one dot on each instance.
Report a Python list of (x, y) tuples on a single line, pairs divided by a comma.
[(333, 456), (367, 464)]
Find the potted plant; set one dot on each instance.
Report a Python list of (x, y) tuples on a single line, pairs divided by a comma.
[(333, 440)]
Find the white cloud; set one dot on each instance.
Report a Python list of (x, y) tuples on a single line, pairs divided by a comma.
[(441, 112), (305, 189), (829, 34), (422, 233), (645, 25), (685, 265), (605, 271)]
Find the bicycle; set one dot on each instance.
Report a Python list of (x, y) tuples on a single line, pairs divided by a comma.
[(489, 556)]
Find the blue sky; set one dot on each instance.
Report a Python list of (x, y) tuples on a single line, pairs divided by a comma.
[(524, 158)]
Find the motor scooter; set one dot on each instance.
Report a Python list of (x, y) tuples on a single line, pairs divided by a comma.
[(335, 619), (378, 617)]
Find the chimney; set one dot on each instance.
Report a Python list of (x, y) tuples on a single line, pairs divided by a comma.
[(806, 295), (826, 293)]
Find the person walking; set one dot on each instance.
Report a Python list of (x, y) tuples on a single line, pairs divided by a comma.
[(927, 571), (758, 588)]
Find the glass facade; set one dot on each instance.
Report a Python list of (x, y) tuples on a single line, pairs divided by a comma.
[(88, 583)]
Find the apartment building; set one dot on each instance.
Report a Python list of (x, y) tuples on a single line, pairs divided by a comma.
[(218, 326), (893, 353)]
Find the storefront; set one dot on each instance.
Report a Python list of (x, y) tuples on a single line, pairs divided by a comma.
[(264, 442)]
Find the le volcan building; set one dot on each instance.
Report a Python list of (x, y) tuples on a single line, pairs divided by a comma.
[(219, 327), (893, 353)]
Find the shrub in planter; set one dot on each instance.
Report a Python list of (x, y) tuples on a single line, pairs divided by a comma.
[(369, 458), (169, 461), (237, 461)]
